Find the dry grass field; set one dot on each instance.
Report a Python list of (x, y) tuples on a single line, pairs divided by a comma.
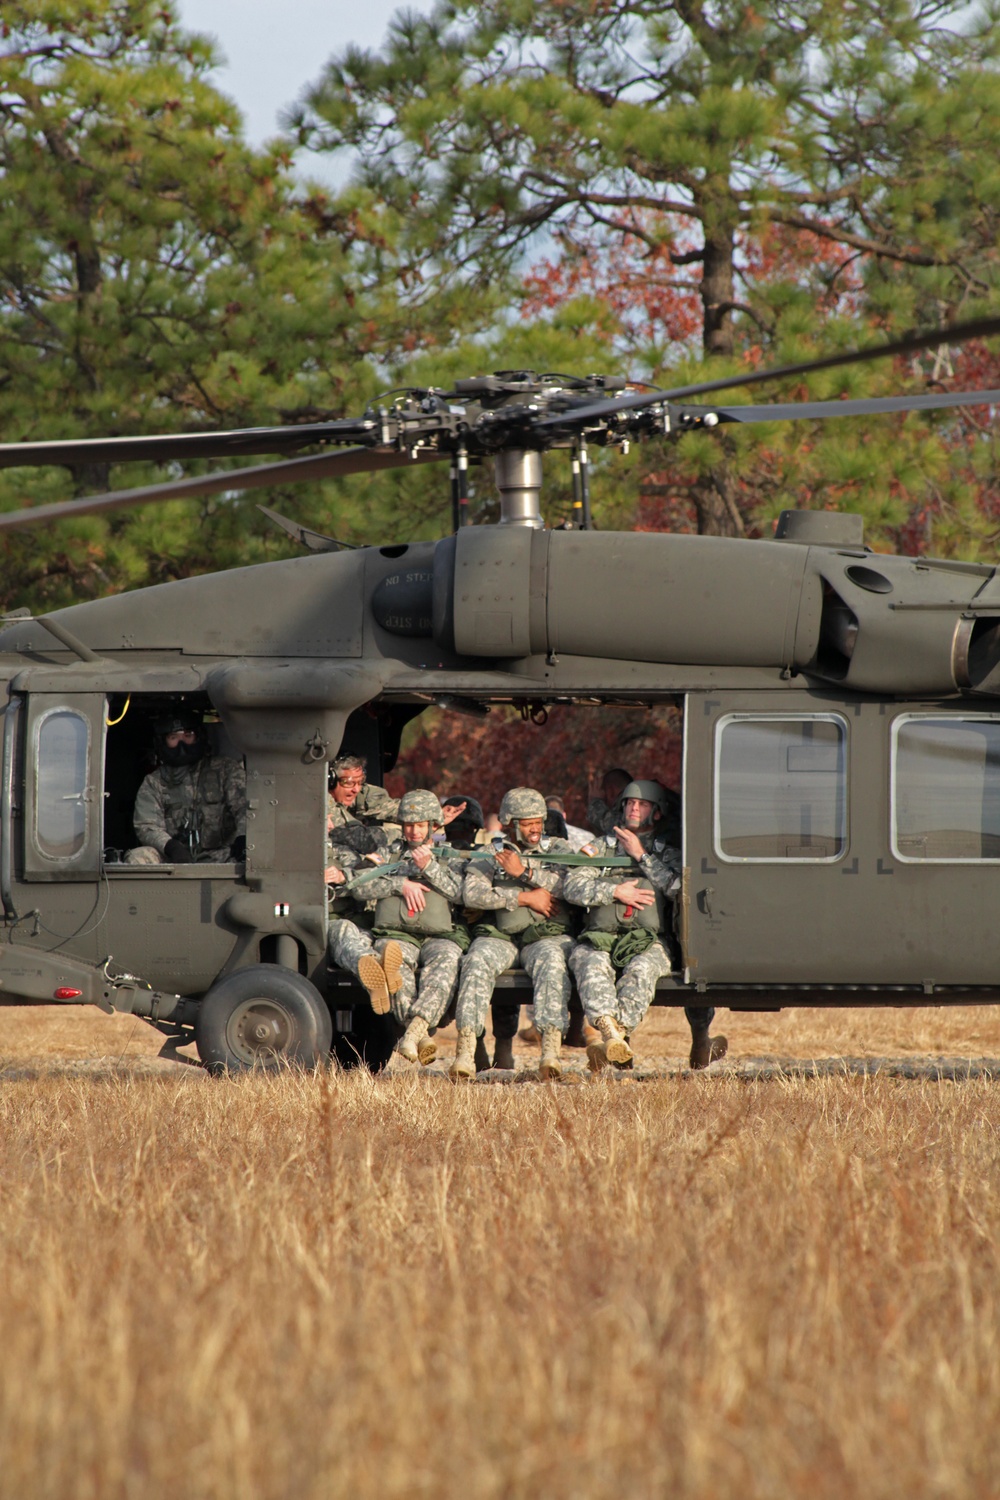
[(315, 1286)]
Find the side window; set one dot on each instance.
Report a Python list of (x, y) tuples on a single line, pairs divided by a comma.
[(781, 788), (62, 796), (946, 788)]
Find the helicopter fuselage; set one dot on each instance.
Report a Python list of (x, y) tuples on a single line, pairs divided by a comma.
[(841, 765)]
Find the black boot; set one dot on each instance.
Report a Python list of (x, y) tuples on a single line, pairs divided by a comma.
[(706, 1049), (482, 1056), (503, 1053)]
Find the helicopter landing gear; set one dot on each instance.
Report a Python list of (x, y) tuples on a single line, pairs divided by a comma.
[(262, 1017)]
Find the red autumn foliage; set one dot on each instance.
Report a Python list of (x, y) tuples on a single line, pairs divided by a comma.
[(649, 297), (566, 756)]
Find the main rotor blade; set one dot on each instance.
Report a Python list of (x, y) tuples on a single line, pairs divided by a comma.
[(867, 406), (957, 333), (238, 443), (295, 470)]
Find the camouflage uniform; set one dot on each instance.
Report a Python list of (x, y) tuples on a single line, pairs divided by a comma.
[(348, 933), (488, 888), (629, 999), (364, 834), (209, 797), (429, 965), (600, 816)]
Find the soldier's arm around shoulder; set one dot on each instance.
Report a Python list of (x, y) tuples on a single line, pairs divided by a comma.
[(479, 892), (590, 886), (444, 876)]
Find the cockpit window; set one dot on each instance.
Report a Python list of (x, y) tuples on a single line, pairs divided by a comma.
[(946, 788), (62, 806), (781, 788)]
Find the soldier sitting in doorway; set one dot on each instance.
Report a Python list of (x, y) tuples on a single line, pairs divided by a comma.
[(521, 915), (409, 960), (193, 806), (356, 809), (622, 950)]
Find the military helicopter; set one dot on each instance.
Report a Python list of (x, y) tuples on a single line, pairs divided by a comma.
[(841, 712)]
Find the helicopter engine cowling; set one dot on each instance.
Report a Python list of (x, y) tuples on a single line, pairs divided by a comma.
[(628, 596), (872, 623)]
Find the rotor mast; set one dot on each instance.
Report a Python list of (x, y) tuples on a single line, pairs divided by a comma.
[(519, 480)]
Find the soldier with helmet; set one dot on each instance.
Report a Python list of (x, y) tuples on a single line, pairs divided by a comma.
[(465, 820), (622, 950), (409, 962), (522, 915), (193, 806)]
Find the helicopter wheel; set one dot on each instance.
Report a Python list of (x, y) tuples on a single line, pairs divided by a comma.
[(262, 1017)]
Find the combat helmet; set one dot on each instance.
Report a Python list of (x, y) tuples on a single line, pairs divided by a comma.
[(521, 802), (472, 813), (419, 806), (180, 720), (647, 791)]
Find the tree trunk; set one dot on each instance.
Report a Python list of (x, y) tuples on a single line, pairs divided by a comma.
[(720, 219), (715, 502)]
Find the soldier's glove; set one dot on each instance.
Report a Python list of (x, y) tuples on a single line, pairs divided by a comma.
[(175, 852), (238, 848)]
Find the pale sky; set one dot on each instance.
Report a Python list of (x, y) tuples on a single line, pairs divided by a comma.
[(274, 48)]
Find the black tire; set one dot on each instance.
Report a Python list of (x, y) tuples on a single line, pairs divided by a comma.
[(262, 1017)]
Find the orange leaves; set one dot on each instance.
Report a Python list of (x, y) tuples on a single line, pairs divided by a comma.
[(566, 756)]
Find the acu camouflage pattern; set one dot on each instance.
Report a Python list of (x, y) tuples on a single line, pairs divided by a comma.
[(429, 970), (419, 806), (488, 888), (427, 978), (445, 877), (521, 802), (209, 797), (545, 964), (600, 816), (346, 942), (629, 998)]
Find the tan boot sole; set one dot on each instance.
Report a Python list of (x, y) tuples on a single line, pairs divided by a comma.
[(426, 1051), (372, 976), (392, 965), (597, 1058), (618, 1051)]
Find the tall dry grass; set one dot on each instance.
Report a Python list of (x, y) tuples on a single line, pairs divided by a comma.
[(326, 1285)]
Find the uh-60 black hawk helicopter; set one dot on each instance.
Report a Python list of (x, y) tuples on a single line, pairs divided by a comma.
[(841, 710)]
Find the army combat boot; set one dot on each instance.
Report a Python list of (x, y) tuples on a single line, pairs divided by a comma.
[(372, 976), (550, 1066), (415, 1045), (464, 1065), (706, 1049), (392, 965), (612, 1047)]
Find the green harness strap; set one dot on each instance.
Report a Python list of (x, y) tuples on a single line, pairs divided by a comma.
[(621, 947)]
